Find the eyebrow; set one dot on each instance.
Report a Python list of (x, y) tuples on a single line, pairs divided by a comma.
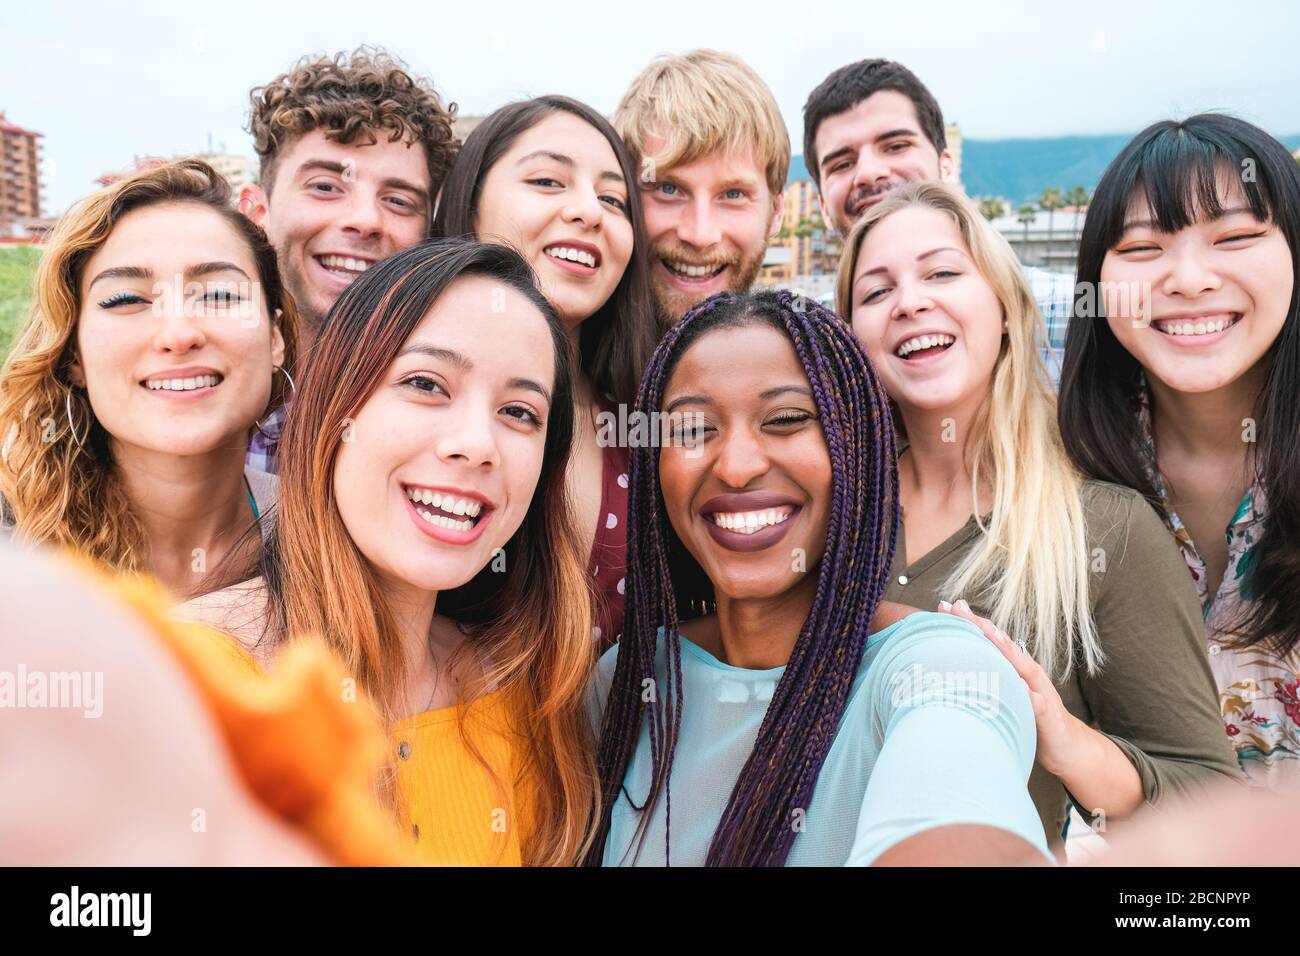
[(848, 150), (191, 272), (922, 256), (389, 182), (563, 160), (766, 395), (1223, 214), (465, 365)]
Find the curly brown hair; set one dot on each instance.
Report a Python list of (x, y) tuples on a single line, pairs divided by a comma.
[(353, 97)]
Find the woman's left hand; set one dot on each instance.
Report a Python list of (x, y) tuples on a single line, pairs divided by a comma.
[(1057, 727)]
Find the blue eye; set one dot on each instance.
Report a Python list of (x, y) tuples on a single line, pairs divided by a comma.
[(120, 298), (222, 297)]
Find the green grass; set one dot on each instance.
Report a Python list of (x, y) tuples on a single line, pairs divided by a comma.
[(17, 268)]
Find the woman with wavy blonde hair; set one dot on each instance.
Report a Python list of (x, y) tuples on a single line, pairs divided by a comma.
[(1080, 572), (424, 533), (159, 336)]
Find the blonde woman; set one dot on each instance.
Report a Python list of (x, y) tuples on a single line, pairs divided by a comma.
[(159, 336), (1103, 620)]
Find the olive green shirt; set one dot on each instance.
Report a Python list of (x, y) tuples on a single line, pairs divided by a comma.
[(1154, 694)]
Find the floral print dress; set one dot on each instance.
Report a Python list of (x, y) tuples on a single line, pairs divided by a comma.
[(1259, 691)]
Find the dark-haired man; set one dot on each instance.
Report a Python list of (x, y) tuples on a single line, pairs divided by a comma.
[(873, 125)]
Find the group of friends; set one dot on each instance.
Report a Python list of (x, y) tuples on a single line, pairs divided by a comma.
[(878, 589)]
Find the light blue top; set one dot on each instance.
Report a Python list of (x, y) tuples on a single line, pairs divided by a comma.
[(938, 729)]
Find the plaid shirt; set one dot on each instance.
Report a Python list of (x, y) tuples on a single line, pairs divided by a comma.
[(1054, 293), (264, 449)]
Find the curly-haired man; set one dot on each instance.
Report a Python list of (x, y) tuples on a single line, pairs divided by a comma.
[(353, 150)]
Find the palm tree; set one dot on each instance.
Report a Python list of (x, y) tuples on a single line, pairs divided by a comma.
[(1026, 215), (991, 207), (1078, 197), (1049, 202)]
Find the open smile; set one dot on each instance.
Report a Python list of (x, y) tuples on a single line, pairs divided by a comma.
[(1199, 329), (448, 516), (340, 270), (577, 258), (183, 383), (919, 348), (749, 522)]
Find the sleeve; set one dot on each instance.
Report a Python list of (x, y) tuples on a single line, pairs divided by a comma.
[(1154, 695), (955, 735)]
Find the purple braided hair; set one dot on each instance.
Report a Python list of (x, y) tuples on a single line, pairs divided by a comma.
[(757, 827)]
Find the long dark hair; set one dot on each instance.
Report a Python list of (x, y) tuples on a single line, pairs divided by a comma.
[(532, 624), (803, 716), (1176, 167), (616, 342)]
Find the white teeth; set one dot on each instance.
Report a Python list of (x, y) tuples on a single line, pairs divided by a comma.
[(442, 521), (923, 342), (694, 272), (573, 255), (182, 384), (344, 264), (747, 522), (447, 503), (1199, 327)]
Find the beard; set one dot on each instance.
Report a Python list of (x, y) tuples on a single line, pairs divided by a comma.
[(672, 303), (310, 318)]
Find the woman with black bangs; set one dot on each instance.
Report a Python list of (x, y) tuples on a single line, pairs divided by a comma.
[(1180, 379)]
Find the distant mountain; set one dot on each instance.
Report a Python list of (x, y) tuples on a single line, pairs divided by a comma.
[(1020, 169)]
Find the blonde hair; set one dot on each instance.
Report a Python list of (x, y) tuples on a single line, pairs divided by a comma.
[(699, 103), (57, 475), (1030, 565)]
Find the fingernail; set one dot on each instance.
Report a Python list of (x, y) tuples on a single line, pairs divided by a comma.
[(945, 606), (962, 605)]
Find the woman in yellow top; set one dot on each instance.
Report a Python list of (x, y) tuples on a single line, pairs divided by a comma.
[(423, 464)]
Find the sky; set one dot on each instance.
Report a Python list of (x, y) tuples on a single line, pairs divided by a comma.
[(107, 81)]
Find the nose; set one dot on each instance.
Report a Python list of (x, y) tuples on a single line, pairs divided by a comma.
[(741, 459), (1190, 275), (910, 300), (179, 329), (871, 169), (361, 217), (698, 226), (466, 438), (584, 207)]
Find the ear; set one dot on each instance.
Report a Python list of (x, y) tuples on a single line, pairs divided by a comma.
[(947, 167), (254, 203), (826, 215), (778, 214), (75, 373), (277, 340)]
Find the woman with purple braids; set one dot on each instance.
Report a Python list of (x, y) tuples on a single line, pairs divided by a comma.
[(751, 717)]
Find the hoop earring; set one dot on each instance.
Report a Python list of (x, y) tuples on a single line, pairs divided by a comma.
[(72, 426), (292, 391)]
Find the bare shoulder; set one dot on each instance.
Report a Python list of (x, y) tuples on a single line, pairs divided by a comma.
[(240, 610)]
